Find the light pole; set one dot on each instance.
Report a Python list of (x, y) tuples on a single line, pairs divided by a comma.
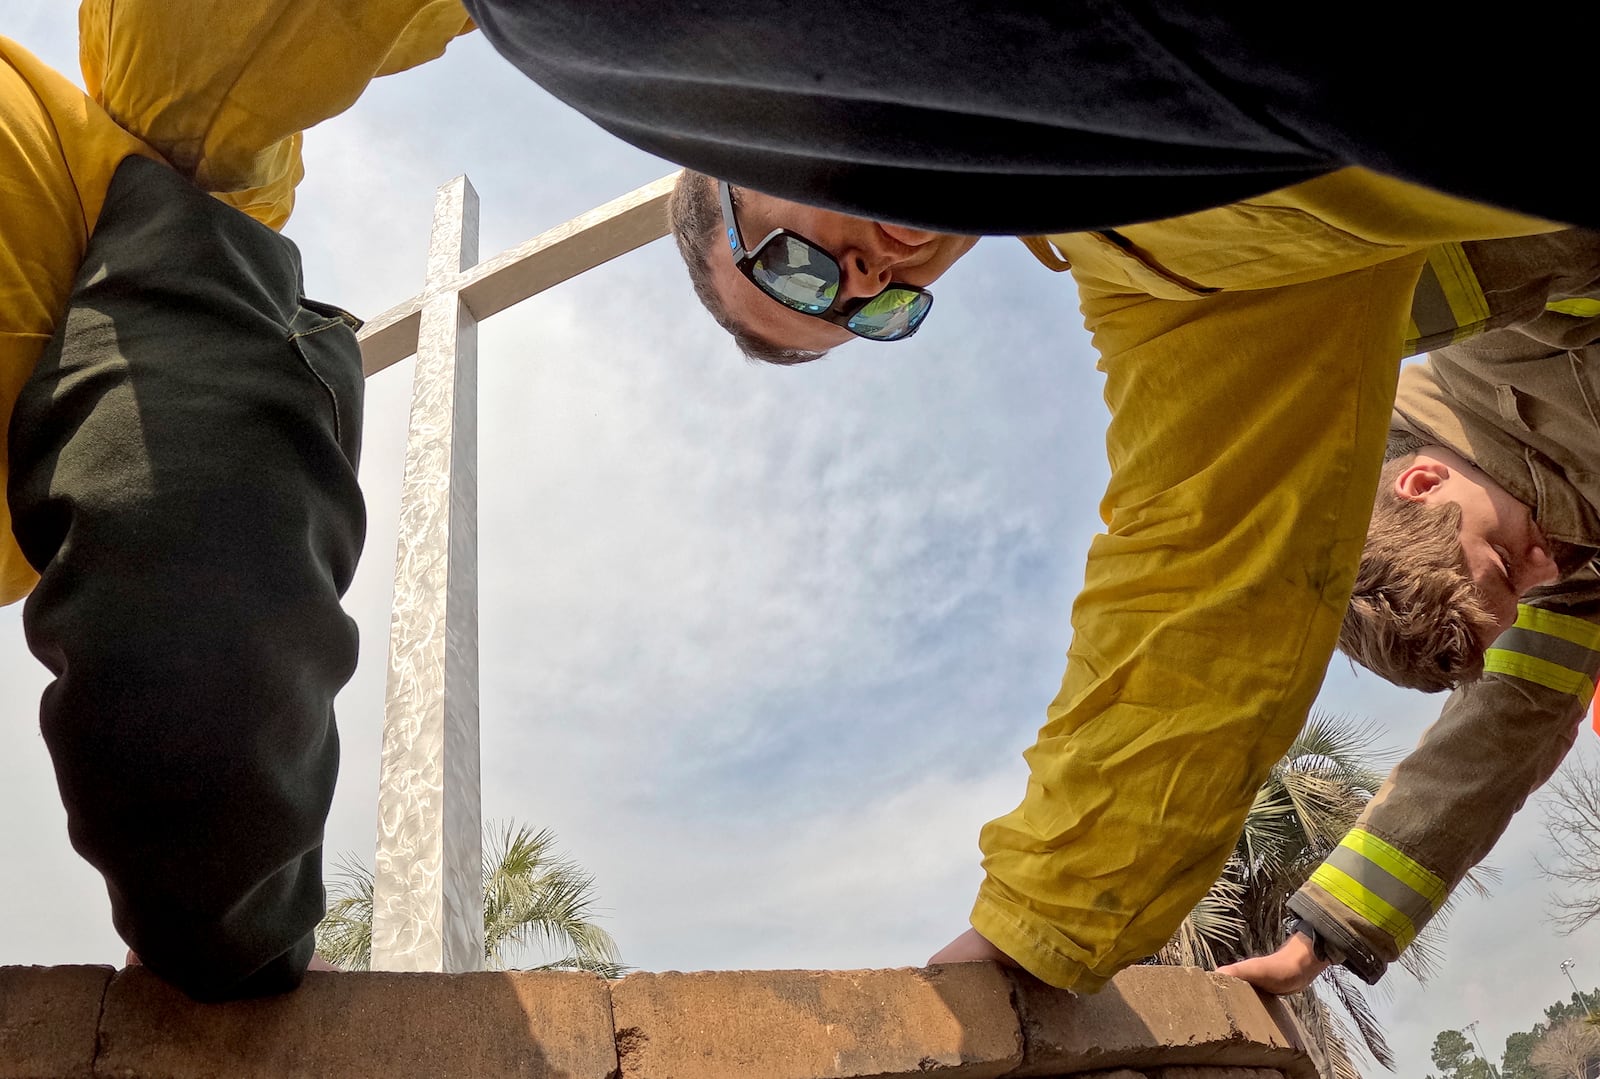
[(1566, 968), (1471, 1029)]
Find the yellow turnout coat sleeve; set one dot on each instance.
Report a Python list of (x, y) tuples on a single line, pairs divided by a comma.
[(220, 91), (224, 93), (1250, 355)]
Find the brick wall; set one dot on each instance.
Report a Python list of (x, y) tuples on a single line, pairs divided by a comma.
[(973, 1021)]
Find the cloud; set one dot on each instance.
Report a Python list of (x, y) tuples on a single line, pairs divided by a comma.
[(881, 884)]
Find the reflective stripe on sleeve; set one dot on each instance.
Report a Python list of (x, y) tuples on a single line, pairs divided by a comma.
[(1580, 306), (1448, 304), (1548, 649), (1564, 626), (1379, 884), (1541, 672)]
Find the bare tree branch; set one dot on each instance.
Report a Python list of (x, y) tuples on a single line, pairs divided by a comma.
[(1566, 1049), (1571, 804)]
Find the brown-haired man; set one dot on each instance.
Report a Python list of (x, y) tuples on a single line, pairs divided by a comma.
[(1495, 481), (1418, 616), (1450, 553)]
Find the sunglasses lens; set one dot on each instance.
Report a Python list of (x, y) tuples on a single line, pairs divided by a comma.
[(892, 314), (793, 272)]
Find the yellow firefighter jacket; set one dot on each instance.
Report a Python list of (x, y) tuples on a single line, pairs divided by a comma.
[(1250, 355), (222, 93)]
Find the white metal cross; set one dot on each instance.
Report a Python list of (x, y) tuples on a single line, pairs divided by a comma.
[(428, 893)]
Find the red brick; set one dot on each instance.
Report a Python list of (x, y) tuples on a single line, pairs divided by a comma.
[(795, 1024), (395, 1026), (48, 1017)]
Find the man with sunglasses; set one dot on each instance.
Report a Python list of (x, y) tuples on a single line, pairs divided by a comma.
[(873, 288), (1250, 354), (1250, 350)]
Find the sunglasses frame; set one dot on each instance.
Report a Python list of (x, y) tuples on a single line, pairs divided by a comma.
[(841, 312)]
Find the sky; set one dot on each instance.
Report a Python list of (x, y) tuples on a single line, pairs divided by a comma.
[(762, 646)]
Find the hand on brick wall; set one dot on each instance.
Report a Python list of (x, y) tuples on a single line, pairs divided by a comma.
[(971, 947), (1288, 970)]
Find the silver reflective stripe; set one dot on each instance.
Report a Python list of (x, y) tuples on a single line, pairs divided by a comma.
[(1574, 657), (1417, 907), (1381, 885), (1549, 649)]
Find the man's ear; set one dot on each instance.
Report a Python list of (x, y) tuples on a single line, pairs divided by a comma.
[(1422, 481)]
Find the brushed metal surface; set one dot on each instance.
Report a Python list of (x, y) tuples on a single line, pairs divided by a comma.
[(555, 255), (427, 895)]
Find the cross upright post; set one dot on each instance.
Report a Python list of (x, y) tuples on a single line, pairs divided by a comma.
[(427, 904), (427, 890)]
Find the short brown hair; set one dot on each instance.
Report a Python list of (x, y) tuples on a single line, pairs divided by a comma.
[(1415, 618), (696, 220)]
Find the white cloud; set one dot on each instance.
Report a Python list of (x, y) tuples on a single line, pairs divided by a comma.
[(883, 884)]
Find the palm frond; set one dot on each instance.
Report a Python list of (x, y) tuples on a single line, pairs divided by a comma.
[(1269, 831), (1339, 746), (1302, 810), (1214, 931), (532, 899), (1350, 994), (344, 936)]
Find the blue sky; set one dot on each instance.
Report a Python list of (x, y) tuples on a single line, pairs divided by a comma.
[(762, 646)]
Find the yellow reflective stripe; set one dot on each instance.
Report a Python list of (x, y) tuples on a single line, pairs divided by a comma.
[(1460, 287), (1541, 672), (1579, 306), (1365, 904), (1568, 628), (1408, 871)]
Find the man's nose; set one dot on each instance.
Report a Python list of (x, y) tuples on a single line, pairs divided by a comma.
[(862, 274)]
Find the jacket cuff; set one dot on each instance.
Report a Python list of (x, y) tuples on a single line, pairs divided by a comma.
[(1009, 928), (1355, 955)]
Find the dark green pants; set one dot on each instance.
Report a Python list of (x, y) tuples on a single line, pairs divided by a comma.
[(183, 477)]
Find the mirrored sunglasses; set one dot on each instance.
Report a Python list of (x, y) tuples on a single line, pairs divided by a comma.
[(804, 277)]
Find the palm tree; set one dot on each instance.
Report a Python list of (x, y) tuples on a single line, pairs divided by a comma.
[(530, 897), (1305, 806)]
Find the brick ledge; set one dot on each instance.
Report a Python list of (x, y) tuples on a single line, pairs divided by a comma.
[(973, 1020)]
